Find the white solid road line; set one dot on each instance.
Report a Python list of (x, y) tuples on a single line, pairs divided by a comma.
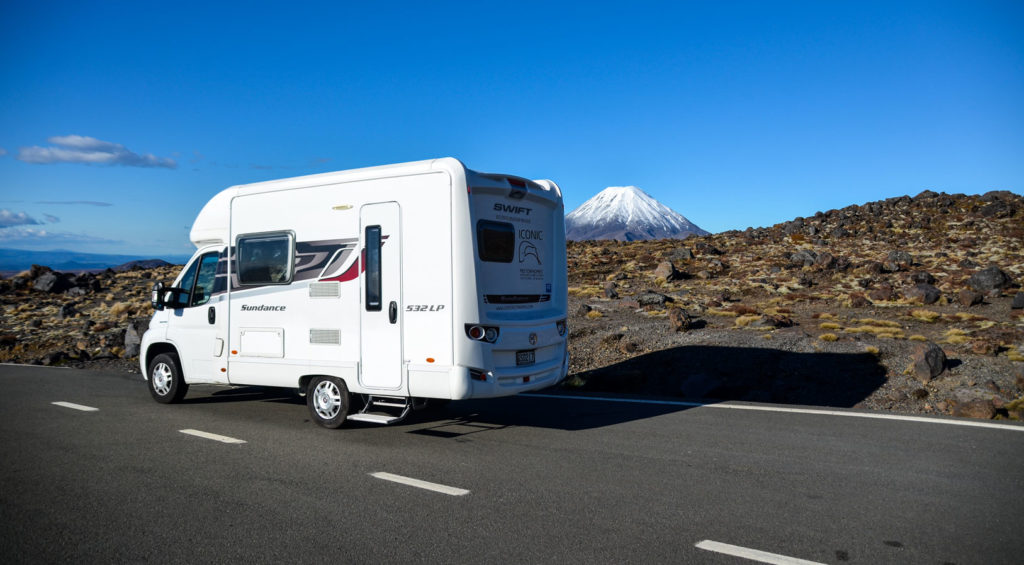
[(215, 437), (752, 554), (421, 484), (74, 406), (820, 412)]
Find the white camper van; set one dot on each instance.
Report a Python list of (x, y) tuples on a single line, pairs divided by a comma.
[(369, 291)]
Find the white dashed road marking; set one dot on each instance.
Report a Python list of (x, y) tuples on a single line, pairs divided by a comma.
[(821, 412), (214, 437), (74, 406), (421, 484), (752, 554)]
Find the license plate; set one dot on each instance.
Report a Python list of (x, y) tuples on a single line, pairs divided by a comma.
[(526, 357)]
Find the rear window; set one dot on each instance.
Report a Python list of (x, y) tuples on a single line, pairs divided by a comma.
[(496, 241)]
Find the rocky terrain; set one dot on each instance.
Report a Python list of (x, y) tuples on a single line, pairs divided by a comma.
[(910, 305)]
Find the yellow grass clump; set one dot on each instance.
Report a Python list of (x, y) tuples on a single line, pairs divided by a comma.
[(830, 326), (744, 321), (956, 336), (925, 315), (828, 337), (872, 350), (594, 314), (917, 337), (725, 313), (879, 323)]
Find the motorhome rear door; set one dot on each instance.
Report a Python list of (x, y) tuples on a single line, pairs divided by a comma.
[(381, 311)]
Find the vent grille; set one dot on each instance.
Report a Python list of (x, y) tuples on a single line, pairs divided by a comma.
[(325, 337), (324, 289)]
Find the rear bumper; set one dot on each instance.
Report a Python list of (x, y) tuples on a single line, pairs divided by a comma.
[(509, 381)]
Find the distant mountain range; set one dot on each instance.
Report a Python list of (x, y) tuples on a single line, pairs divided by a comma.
[(627, 213), (63, 260)]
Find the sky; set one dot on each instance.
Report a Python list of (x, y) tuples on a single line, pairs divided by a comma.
[(118, 121)]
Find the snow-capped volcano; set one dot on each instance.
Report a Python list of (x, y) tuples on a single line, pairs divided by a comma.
[(627, 213)]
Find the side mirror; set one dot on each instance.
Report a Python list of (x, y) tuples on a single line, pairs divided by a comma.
[(158, 296)]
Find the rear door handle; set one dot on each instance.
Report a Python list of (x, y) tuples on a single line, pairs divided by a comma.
[(393, 311)]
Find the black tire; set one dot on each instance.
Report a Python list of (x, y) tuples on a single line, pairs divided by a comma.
[(329, 401), (166, 382)]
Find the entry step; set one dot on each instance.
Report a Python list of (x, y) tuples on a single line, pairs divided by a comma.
[(373, 418)]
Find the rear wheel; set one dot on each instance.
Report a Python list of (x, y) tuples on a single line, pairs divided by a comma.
[(328, 401), (166, 383)]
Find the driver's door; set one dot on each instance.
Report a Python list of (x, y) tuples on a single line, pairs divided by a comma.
[(197, 322)]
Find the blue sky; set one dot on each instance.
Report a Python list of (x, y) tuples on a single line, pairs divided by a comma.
[(119, 120)]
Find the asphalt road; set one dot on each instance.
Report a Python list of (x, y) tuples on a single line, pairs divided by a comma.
[(549, 481)]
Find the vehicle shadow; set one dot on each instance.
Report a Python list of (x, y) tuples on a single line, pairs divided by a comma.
[(687, 374), (213, 394)]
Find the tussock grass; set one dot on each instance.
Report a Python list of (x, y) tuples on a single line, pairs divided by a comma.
[(830, 326), (744, 321), (878, 323), (594, 314), (877, 331), (955, 336), (828, 337), (917, 337), (872, 350), (724, 313), (925, 315), (825, 316), (587, 291)]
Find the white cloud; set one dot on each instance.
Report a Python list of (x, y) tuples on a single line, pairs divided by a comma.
[(51, 218), (76, 202), (91, 151), (8, 219), (3, 152), (37, 236)]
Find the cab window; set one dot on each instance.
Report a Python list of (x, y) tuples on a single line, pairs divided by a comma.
[(205, 281)]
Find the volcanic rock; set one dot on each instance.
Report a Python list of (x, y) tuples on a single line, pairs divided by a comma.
[(968, 297), (1018, 301), (928, 362), (990, 280), (679, 319), (923, 293)]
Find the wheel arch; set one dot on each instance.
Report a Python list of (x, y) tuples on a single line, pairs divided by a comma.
[(304, 381), (156, 349)]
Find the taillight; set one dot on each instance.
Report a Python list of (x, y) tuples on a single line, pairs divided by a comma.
[(560, 324), (477, 375), (482, 333)]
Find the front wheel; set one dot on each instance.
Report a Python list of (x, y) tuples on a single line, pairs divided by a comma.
[(166, 383), (328, 401)]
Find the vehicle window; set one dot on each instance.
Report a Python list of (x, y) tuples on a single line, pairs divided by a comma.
[(496, 241), (373, 267), (181, 300), (207, 274), (265, 259)]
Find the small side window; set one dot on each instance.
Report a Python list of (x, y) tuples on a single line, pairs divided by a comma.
[(373, 244), (265, 259), (496, 241)]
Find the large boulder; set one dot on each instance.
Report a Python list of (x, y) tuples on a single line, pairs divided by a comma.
[(668, 271), (991, 280), (923, 293), (679, 319), (133, 336), (927, 362)]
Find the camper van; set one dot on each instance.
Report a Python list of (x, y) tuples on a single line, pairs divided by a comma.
[(369, 291)]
